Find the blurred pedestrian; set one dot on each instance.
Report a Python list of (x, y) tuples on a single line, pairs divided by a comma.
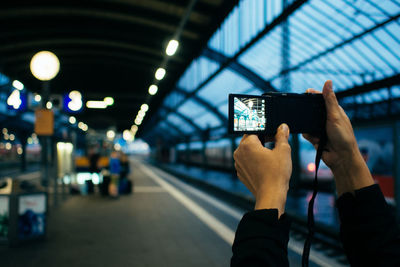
[(125, 185), (115, 170)]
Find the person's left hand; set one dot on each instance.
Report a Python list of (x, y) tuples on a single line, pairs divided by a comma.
[(265, 172)]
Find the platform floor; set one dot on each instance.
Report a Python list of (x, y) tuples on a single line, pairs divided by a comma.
[(165, 222)]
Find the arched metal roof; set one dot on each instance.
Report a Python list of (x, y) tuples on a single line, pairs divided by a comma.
[(289, 45), (107, 47)]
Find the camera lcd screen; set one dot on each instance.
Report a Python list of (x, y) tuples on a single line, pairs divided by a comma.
[(248, 114)]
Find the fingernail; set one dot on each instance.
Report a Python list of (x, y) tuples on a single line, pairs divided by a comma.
[(284, 128)]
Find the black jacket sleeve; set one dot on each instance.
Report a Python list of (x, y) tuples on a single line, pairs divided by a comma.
[(261, 239), (369, 232)]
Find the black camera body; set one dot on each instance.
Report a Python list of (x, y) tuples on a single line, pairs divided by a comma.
[(304, 113)]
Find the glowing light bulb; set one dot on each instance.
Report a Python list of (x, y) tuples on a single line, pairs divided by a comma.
[(44, 65), (153, 89), (172, 47), (160, 73)]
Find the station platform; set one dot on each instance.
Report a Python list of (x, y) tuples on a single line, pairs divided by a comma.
[(165, 222)]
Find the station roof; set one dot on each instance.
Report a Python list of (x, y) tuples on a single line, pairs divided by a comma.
[(106, 47), (112, 48), (287, 46)]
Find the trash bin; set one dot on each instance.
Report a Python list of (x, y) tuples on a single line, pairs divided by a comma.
[(23, 213)]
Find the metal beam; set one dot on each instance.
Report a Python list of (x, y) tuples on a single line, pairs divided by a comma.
[(70, 42), (206, 104), (240, 69), (366, 113), (364, 88), (102, 53), (7, 14), (183, 117), (172, 126)]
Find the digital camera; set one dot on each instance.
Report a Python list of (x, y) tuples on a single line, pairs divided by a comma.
[(304, 113)]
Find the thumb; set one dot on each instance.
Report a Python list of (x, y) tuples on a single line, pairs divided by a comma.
[(331, 103), (282, 136)]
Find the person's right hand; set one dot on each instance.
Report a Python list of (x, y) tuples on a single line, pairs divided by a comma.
[(342, 144), (341, 152)]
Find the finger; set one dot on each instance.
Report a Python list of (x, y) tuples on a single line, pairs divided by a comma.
[(243, 138), (331, 103), (282, 136), (313, 91), (253, 140)]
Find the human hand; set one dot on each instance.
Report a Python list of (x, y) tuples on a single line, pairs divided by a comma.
[(265, 172), (341, 153)]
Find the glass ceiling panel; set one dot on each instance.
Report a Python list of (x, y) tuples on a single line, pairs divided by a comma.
[(244, 22), (367, 98), (183, 125), (192, 109), (207, 120), (225, 83), (264, 57), (389, 7), (173, 99), (199, 70), (395, 91)]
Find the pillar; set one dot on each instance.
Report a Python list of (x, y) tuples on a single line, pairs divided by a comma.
[(396, 166)]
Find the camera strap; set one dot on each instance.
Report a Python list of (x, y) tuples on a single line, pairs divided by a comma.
[(310, 221)]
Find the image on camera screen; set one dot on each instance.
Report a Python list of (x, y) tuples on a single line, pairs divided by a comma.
[(249, 114)]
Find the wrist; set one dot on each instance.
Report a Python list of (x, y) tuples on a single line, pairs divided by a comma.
[(351, 174), (271, 198), (347, 163)]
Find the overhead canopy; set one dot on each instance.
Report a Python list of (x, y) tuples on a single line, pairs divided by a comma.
[(106, 47), (288, 46)]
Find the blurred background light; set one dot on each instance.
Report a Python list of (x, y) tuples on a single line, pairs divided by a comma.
[(144, 107), (73, 101), (49, 105), (45, 65), (96, 104), (109, 101), (14, 100), (160, 73), (110, 134), (18, 85), (153, 89), (72, 120), (37, 98), (172, 47)]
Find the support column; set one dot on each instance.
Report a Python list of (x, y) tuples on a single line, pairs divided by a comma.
[(54, 168), (396, 166), (187, 151), (205, 138), (22, 138), (203, 153), (45, 139)]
